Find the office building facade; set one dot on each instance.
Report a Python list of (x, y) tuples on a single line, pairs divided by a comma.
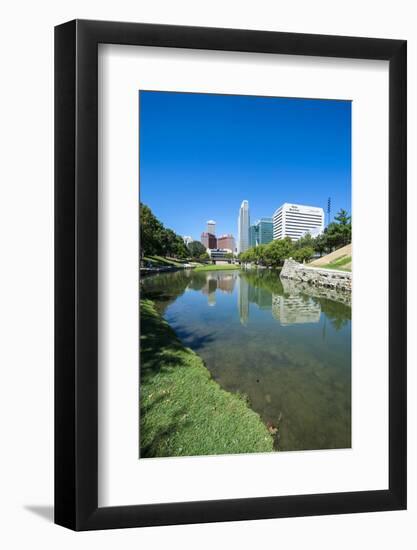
[(296, 220), (226, 242), (218, 254), (253, 235), (243, 223), (209, 240), (261, 232)]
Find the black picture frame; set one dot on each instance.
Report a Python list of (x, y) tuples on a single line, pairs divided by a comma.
[(76, 272)]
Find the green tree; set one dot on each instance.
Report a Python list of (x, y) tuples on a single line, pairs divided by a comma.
[(257, 254), (305, 240), (303, 254), (339, 232), (157, 239), (320, 244), (196, 249), (343, 217), (151, 232), (277, 251)]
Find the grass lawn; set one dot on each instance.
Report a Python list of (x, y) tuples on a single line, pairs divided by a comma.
[(343, 263), (216, 267), (159, 261), (183, 411)]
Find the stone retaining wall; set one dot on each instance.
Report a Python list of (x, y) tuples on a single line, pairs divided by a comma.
[(328, 278)]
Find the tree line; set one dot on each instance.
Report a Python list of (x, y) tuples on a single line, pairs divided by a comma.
[(156, 239), (337, 234)]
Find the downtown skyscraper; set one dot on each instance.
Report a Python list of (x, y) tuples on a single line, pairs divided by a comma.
[(211, 227), (295, 220), (243, 223)]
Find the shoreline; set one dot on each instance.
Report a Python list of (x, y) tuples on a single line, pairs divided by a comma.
[(183, 410)]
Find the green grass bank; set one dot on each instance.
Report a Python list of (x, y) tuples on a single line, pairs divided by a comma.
[(183, 411), (344, 264), (159, 261), (217, 267)]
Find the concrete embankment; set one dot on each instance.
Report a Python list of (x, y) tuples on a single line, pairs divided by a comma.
[(315, 276)]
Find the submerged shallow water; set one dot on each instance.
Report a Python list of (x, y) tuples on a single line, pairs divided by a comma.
[(286, 346)]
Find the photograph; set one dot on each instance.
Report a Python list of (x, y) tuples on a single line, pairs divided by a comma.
[(245, 274)]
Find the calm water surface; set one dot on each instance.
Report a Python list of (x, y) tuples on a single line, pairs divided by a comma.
[(285, 345)]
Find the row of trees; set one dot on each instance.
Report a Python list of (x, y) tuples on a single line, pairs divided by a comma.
[(158, 240), (272, 254), (337, 234), (197, 251)]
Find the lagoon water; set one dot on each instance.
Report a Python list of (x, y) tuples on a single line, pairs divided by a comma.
[(286, 346)]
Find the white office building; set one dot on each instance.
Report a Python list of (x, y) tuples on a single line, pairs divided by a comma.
[(243, 223), (296, 220), (211, 227)]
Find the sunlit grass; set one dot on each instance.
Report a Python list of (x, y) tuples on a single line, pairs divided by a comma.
[(217, 267), (340, 263), (159, 261), (183, 411)]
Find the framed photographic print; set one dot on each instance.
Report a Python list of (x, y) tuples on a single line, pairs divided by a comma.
[(230, 338)]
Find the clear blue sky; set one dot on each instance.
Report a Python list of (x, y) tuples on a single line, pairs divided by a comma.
[(202, 154)]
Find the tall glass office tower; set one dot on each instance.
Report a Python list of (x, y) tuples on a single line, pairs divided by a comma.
[(243, 223), (261, 232)]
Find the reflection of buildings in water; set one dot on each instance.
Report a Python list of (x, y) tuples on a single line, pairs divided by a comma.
[(294, 309), (210, 290), (226, 283), (243, 300), (217, 281), (249, 293)]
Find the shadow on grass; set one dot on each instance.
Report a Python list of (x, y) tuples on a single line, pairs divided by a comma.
[(183, 411), (159, 346), (158, 445)]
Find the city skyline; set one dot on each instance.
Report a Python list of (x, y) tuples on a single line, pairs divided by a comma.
[(208, 152), (300, 220)]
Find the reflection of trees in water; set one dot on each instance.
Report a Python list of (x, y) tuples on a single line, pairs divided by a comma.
[(338, 313), (197, 280), (333, 303), (292, 302), (260, 296), (266, 290), (265, 278), (164, 288)]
